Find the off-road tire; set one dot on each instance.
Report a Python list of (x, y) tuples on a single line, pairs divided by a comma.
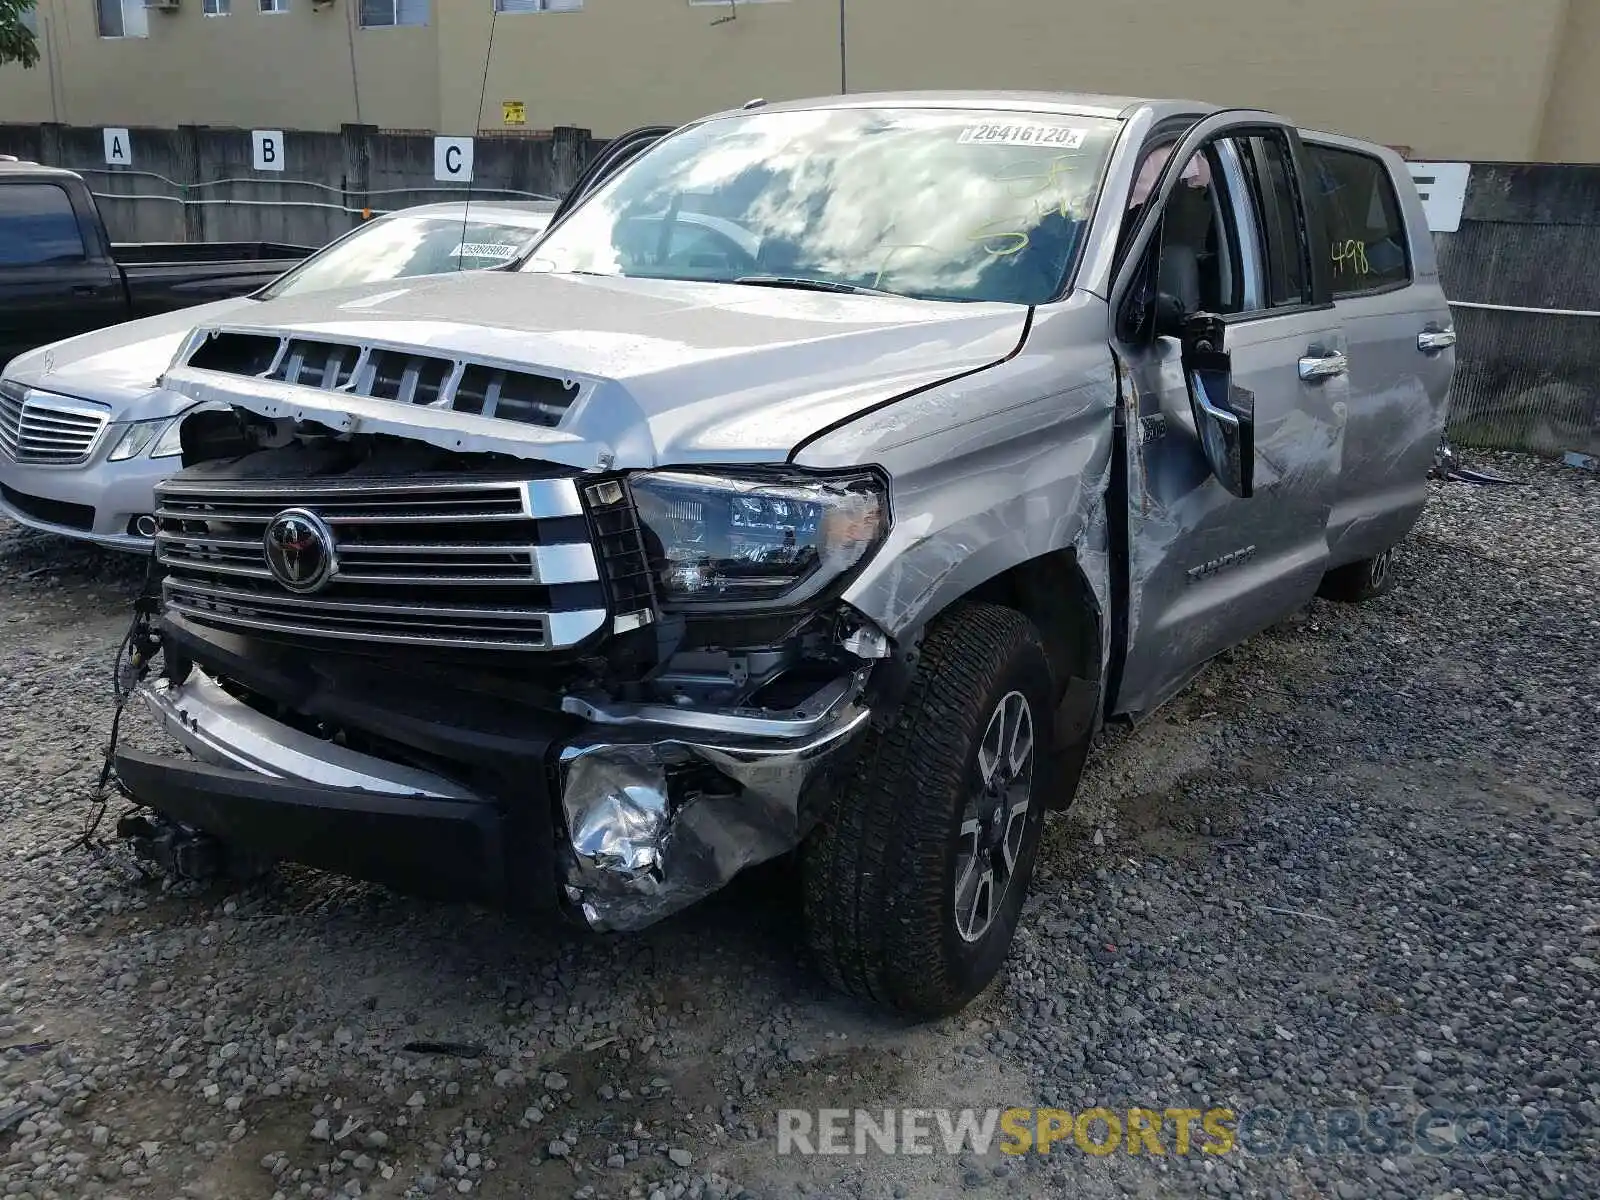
[(880, 871), (1358, 582)]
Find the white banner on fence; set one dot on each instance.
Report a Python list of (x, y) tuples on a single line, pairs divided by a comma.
[(1443, 187), (119, 148), (452, 159), (266, 149)]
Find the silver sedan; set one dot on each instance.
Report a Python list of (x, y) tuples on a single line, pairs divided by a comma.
[(86, 432)]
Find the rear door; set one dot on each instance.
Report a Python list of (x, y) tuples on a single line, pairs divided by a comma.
[(1206, 569), (55, 276), (1386, 290)]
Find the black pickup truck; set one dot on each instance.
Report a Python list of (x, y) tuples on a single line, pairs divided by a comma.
[(61, 275)]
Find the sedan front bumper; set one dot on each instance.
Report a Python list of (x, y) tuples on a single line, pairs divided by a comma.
[(98, 501), (647, 809)]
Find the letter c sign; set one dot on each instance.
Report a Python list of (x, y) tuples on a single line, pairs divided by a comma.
[(452, 159)]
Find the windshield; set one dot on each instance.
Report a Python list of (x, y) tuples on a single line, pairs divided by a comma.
[(399, 246), (937, 204)]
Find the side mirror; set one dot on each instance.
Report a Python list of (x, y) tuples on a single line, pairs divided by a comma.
[(1225, 428)]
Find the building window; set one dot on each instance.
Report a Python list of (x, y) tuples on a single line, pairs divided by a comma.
[(216, 8), (526, 6), (274, 6), (121, 18), (379, 14)]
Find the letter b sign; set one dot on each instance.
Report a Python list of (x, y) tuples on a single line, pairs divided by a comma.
[(266, 149), (452, 159)]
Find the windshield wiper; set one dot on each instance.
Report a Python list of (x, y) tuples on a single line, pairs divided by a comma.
[(810, 285)]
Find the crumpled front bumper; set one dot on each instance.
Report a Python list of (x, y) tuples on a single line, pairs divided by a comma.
[(651, 807)]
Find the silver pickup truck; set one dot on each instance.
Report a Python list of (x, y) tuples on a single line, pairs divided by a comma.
[(824, 481)]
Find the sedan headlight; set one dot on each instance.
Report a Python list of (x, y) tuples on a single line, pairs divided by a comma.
[(145, 435), (161, 437), (759, 542), (169, 443)]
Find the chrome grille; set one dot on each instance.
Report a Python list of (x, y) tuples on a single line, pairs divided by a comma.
[(390, 373), (36, 427), (505, 565)]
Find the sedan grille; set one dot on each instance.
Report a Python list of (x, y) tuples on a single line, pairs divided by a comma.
[(48, 430), (502, 565)]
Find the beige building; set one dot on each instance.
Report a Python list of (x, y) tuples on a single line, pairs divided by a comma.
[(1447, 79)]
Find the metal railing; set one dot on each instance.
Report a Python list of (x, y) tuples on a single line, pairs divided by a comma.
[(185, 197)]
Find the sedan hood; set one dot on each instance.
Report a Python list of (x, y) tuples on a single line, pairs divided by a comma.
[(664, 372), (119, 365)]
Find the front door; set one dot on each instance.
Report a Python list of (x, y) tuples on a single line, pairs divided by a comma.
[(1206, 568)]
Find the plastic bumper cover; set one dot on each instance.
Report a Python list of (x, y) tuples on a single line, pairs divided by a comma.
[(93, 501)]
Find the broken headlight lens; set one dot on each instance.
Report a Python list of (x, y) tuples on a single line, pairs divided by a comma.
[(729, 542)]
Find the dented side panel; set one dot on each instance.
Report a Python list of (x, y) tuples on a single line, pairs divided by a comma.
[(989, 471), (1396, 418)]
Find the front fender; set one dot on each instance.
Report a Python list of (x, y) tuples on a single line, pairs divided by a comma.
[(989, 471)]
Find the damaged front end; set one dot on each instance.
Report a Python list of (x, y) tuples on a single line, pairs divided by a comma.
[(487, 676)]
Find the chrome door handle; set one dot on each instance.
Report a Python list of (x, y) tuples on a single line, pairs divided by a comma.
[(1326, 366), (1430, 341)]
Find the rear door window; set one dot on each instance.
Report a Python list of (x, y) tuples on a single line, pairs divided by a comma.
[(1365, 228), (38, 226)]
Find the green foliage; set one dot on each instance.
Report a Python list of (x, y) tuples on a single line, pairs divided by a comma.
[(17, 43)]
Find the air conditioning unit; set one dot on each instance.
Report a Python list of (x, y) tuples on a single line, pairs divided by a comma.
[(163, 5)]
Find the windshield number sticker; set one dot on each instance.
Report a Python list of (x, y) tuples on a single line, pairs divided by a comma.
[(484, 250), (1056, 137)]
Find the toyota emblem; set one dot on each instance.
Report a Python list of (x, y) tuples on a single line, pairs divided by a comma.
[(299, 548)]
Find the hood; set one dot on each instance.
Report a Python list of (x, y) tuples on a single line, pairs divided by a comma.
[(665, 371), (119, 365)]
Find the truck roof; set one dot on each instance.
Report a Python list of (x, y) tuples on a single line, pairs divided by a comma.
[(1077, 104), (11, 170)]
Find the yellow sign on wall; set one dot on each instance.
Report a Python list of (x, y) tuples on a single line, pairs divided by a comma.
[(514, 112)]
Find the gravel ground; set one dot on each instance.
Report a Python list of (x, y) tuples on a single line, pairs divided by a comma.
[(1353, 867)]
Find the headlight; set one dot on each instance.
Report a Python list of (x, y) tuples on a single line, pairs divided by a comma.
[(732, 542), (138, 437), (160, 437), (169, 443)]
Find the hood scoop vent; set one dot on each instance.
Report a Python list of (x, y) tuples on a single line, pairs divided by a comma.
[(404, 376)]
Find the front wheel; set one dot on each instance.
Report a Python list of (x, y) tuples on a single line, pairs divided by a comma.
[(915, 879)]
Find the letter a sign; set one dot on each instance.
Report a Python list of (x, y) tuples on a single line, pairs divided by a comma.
[(119, 148), (266, 149), (452, 159)]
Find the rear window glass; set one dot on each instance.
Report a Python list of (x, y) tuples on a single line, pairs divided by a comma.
[(37, 225), (1364, 225)]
